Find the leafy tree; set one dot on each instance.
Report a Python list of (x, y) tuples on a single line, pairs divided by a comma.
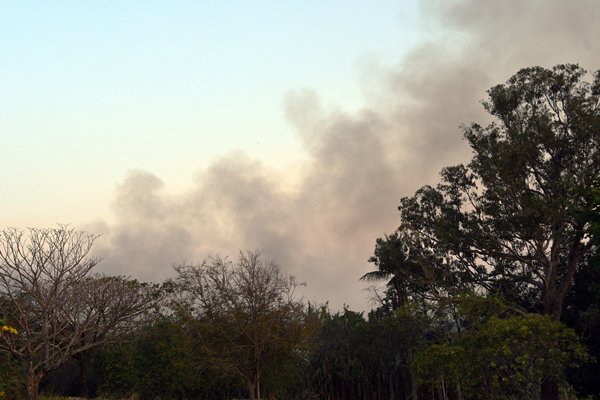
[(591, 209), (358, 358), (406, 278), (10, 379), (500, 358), (338, 361), (511, 220), (582, 313), (160, 361), (246, 315), (117, 369), (512, 214)]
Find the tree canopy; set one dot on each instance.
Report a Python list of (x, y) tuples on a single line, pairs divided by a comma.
[(511, 219), (248, 320)]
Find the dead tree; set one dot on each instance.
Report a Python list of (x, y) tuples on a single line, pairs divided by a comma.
[(49, 294)]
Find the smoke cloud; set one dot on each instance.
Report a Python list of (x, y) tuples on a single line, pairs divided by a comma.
[(322, 227)]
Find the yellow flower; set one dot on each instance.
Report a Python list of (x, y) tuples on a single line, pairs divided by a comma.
[(9, 329)]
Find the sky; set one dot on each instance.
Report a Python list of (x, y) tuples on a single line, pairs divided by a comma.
[(180, 130)]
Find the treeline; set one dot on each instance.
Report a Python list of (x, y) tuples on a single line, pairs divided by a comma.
[(413, 353), (492, 289), (399, 356)]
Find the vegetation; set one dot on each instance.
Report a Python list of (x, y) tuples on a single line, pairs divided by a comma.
[(246, 318), (492, 289), (58, 307), (518, 220)]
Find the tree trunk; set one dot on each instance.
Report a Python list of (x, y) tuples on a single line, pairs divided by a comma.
[(550, 389), (459, 390), (391, 385), (443, 383), (33, 382), (413, 385), (84, 374), (257, 381), (251, 386), (553, 305)]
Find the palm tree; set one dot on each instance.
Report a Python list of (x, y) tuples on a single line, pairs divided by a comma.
[(405, 275)]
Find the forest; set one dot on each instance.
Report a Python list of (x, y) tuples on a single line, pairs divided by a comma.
[(488, 289)]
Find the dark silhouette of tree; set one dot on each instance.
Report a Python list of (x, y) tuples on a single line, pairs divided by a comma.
[(511, 220), (369, 359), (407, 279)]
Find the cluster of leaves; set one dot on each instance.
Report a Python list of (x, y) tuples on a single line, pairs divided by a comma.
[(371, 358), (11, 379), (499, 355), (162, 361)]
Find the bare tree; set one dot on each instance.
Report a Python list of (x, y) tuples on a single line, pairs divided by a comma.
[(246, 313), (59, 308)]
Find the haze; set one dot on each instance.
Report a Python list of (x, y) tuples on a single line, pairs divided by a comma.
[(183, 130)]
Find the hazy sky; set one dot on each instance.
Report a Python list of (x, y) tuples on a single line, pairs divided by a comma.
[(183, 129)]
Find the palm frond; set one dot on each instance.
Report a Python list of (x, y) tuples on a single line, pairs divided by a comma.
[(375, 276)]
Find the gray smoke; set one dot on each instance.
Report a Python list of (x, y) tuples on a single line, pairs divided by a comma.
[(323, 227)]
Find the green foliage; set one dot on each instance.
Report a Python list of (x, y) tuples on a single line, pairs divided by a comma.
[(591, 209), (117, 369), (583, 314), (406, 278), (199, 353), (367, 358), (501, 358), (247, 318), (11, 378), (167, 360), (474, 310), (161, 362)]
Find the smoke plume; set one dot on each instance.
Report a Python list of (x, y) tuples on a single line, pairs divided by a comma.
[(322, 227)]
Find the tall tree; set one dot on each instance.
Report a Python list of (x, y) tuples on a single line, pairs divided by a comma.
[(59, 309), (511, 220), (513, 214)]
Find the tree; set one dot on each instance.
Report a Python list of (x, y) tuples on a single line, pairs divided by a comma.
[(159, 361), (59, 308), (502, 353), (247, 317), (591, 209), (582, 313), (407, 278), (511, 220), (369, 359)]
